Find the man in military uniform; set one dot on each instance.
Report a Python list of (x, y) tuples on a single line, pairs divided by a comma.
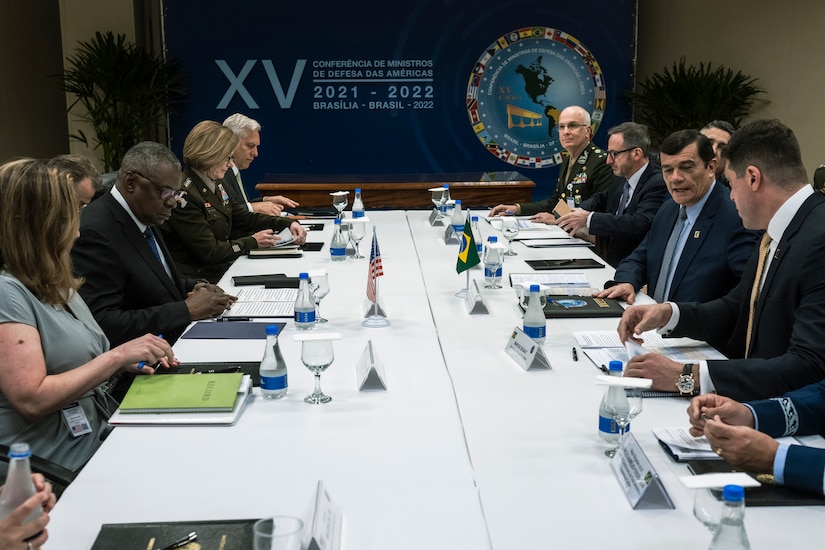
[(583, 172)]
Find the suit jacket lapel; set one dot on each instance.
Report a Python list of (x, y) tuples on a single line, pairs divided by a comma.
[(698, 234), (133, 235)]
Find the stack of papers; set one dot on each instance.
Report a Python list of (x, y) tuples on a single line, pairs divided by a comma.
[(682, 446), (561, 284), (263, 302)]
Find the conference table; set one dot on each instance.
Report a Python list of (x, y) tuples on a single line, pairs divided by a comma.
[(463, 450)]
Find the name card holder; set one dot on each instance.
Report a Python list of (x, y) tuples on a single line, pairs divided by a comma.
[(325, 522), (474, 300), (637, 477), (370, 370), (436, 218), (525, 351), (449, 236)]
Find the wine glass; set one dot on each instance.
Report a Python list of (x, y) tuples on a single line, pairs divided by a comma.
[(317, 355), (707, 507), (357, 232), (437, 193), (339, 201), (278, 533), (623, 411), (509, 228), (319, 285)]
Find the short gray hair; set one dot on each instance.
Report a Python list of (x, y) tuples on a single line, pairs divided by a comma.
[(145, 158), (634, 135), (241, 124)]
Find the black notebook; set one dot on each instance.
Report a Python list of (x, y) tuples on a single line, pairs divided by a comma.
[(251, 368), (273, 280), (765, 495), (229, 330), (574, 307), (568, 263), (226, 534)]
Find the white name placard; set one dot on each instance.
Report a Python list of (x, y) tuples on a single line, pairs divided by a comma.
[(370, 370), (637, 477), (474, 301), (525, 351), (449, 235), (325, 522)]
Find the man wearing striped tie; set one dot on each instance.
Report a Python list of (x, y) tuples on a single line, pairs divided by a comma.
[(770, 325)]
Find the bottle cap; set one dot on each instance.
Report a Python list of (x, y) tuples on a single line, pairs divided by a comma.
[(473, 218), (19, 450), (457, 202), (615, 366), (337, 221), (446, 186), (733, 493), (534, 288), (271, 329), (492, 239), (302, 276), (357, 189)]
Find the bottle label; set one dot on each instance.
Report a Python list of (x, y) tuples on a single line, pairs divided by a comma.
[(492, 271), (609, 426), (535, 332), (273, 382), (305, 316), (357, 213), (338, 251)]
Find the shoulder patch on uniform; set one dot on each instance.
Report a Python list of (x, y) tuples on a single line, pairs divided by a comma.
[(236, 248), (187, 182)]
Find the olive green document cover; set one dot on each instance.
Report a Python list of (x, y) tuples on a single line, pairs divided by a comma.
[(208, 392), (227, 535)]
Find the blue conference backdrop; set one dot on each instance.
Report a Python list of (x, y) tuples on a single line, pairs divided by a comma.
[(403, 88)]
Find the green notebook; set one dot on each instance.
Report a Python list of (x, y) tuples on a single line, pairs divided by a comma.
[(213, 392)]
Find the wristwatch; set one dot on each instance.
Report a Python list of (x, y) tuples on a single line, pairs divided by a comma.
[(685, 384)]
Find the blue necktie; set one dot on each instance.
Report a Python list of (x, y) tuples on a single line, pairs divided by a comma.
[(153, 244), (669, 258), (624, 199)]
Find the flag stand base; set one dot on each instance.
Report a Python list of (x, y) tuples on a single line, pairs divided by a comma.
[(375, 321), (461, 293)]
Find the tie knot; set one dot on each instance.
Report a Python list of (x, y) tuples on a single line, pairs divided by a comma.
[(682, 213), (766, 241), (147, 232)]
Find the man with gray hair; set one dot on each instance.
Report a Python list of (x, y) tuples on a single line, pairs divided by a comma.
[(131, 283), (620, 216), (249, 132)]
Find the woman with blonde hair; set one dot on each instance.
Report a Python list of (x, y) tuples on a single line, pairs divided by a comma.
[(56, 359), (198, 233)]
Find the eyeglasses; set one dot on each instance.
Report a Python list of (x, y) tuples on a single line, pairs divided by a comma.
[(613, 154), (572, 126), (229, 159), (165, 191)]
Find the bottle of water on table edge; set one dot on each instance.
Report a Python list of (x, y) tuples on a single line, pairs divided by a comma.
[(445, 198), (457, 220), (535, 323), (608, 429), (730, 534), (338, 246), (274, 383), (476, 234), (19, 486), (304, 304), (492, 263), (357, 204)]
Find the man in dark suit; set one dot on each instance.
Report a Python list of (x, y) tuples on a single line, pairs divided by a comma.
[(620, 216), (719, 133), (706, 251), (771, 324), (249, 132), (731, 430), (583, 170), (129, 288)]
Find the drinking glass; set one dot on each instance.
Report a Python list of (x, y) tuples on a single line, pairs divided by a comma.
[(707, 507), (339, 201), (278, 533), (317, 355), (509, 228), (319, 285), (357, 232), (623, 412), (437, 193)]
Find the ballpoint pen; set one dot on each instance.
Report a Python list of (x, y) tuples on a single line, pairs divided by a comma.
[(143, 363), (575, 354), (555, 303), (181, 541)]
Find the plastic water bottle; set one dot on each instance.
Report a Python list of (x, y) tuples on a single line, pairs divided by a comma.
[(492, 263), (338, 246), (535, 323), (304, 304), (357, 204), (608, 429), (731, 535), (445, 198), (476, 234), (274, 383), (457, 220), (19, 486)]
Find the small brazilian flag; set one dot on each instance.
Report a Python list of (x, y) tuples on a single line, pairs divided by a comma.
[(467, 253)]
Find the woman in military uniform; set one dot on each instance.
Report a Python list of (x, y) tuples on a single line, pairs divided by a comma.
[(198, 232)]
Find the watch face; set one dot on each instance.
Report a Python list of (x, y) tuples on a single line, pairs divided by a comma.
[(685, 383)]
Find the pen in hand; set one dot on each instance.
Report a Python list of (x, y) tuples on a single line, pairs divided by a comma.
[(143, 363), (181, 541)]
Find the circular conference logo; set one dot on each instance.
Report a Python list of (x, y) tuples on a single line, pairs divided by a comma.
[(519, 86)]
